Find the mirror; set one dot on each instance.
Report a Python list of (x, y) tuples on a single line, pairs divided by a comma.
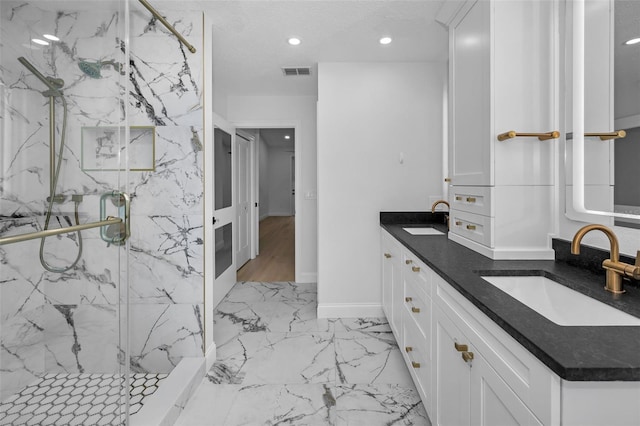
[(602, 172)]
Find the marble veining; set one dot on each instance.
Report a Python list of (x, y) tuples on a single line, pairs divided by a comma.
[(346, 371)]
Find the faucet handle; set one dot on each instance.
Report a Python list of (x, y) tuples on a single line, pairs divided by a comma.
[(638, 258)]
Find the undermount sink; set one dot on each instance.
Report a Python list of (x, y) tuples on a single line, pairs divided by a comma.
[(560, 304), (423, 231)]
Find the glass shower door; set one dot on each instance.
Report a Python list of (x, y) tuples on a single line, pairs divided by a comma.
[(63, 149)]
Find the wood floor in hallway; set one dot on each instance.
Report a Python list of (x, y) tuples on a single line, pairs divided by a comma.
[(276, 261)]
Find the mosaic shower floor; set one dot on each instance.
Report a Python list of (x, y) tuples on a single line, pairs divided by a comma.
[(76, 399)]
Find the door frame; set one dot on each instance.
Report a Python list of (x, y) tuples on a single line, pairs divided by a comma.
[(297, 148)]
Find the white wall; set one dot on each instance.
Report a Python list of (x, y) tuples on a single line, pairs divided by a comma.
[(369, 115), (298, 112), (279, 182)]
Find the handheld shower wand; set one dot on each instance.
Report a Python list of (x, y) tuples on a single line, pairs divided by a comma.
[(55, 85)]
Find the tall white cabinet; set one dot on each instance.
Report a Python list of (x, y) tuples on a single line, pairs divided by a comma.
[(503, 69)]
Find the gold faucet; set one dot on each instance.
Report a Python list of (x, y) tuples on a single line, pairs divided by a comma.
[(615, 269), (433, 209)]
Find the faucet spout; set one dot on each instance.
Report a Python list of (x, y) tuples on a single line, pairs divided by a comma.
[(615, 269), (433, 207)]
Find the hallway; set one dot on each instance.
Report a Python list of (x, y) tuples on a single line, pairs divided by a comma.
[(277, 363), (276, 261)]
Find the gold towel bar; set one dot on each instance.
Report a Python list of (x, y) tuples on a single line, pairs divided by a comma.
[(541, 136), (619, 134), (50, 232)]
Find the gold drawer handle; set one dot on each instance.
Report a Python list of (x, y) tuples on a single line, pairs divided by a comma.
[(408, 348), (467, 356), (387, 255), (415, 364), (471, 199), (471, 227), (408, 299), (408, 261), (415, 310), (458, 223), (460, 348), (458, 198), (415, 268), (447, 179)]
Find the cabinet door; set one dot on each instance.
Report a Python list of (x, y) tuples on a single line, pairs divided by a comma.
[(391, 282), (471, 146), (493, 402), (453, 375)]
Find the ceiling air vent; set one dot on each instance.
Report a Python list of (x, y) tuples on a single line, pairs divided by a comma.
[(290, 71)]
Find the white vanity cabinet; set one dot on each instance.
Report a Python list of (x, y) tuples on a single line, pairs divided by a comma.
[(497, 86), (483, 376), (391, 280)]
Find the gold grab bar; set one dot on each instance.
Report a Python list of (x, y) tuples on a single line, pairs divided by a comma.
[(160, 18), (110, 220), (619, 134), (541, 136)]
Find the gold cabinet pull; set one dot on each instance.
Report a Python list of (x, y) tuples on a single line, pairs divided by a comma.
[(415, 310), (408, 261), (458, 223), (415, 364), (619, 134), (471, 227), (458, 198), (387, 255), (415, 268), (541, 136), (408, 299), (471, 199), (467, 356), (460, 348), (447, 179), (408, 348)]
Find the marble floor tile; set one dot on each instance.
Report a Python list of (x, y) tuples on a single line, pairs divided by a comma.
[(300, 405), (273, 292), (369, 358), (209, 405), (292, 358), (379, 405), (374, 325), (232, 357)]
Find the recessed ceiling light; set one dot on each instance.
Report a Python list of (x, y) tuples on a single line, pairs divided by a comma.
[(294, 41), (385, 40), (51, 37), (287, 137), (41, 42), (633, 41)]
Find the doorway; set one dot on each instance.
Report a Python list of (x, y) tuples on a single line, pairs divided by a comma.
[(270, 229)]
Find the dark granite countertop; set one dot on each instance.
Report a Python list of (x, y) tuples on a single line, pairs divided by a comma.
[(576, 353)]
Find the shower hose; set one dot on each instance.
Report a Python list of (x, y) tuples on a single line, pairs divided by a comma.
[(52, 196)]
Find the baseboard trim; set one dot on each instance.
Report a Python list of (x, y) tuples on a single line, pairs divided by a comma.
[(307, 277), (350, 310)]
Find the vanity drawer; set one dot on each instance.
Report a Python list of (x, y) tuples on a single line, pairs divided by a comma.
[(417, 307), (417, 273), (472, 199), (472, 226), (417, 355)]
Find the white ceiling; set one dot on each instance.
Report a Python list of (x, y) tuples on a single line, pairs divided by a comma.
[(250, 39), (274, 138)]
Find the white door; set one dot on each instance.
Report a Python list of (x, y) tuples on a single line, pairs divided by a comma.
[(243, 209), (223, 209)]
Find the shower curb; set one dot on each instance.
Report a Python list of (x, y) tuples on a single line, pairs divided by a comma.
[(165, 405)]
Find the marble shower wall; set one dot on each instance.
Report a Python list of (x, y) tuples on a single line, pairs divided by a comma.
[(69, 322)]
